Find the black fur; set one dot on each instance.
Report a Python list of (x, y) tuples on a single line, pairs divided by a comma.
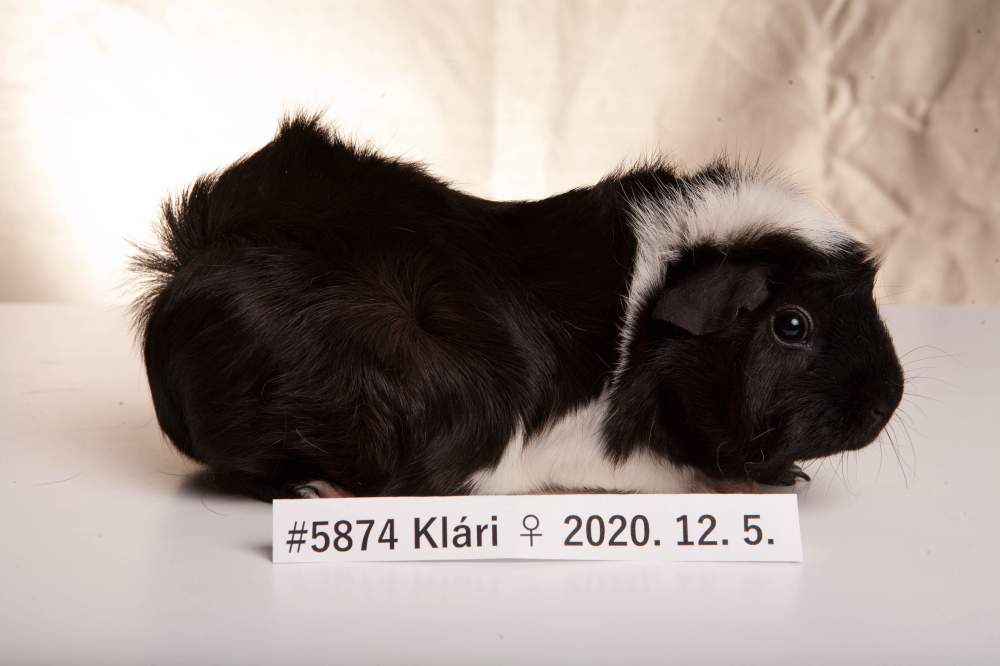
[(320, 311)]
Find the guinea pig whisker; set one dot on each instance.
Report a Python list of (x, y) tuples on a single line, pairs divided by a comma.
[(833, 476), (892, 435), (318, 448), (837, 471), (912, 363), (931, 353), (907, 420), (944, 356), (908, 400), (913, 378), (747, 464), (812, 467), (937, 349), (759, 435), (881, 456), (913, 375), (925, 397), (899, 459), (926, 362), (913, 370), (909, 439), (902, 419)]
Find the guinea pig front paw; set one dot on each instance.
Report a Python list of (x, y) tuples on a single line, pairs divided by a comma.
[(320, 489), (784, 477)]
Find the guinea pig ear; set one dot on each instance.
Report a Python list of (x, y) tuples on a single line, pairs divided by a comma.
[(710, 299)]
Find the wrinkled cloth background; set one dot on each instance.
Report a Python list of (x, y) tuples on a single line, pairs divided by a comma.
[(889, 112)]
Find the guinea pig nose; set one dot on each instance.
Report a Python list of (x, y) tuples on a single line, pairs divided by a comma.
[(881, 409)]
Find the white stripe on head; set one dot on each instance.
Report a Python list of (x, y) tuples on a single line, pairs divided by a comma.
[(704, 211)]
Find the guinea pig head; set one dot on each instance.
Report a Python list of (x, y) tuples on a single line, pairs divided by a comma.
[(759, 353)]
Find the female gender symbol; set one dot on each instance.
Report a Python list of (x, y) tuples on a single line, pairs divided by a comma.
[(531, 534)]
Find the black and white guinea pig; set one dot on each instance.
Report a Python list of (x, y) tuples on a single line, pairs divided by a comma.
[(323, 320)]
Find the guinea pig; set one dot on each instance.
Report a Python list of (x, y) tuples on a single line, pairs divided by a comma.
[(319, 319)]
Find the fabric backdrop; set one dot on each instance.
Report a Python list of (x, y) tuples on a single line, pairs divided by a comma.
[(889, 112)]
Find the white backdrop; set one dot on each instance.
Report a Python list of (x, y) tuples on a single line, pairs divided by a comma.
[(887, 111)]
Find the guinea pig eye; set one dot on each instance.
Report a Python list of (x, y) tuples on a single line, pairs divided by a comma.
[(791, 326)]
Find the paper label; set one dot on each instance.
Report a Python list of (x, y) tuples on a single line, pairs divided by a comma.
[(759, 528)]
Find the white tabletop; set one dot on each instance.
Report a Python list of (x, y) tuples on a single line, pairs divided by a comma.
[(114, 552)]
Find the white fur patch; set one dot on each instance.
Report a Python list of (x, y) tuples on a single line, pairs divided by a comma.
[(707, 212), (570, 454)]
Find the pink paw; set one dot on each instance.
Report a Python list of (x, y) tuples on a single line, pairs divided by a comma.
[(320, 489)]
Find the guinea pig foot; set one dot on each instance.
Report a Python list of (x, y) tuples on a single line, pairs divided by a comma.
[(785, 477), (320, 490)]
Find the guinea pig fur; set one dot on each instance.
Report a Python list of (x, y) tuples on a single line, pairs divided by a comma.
[(320, 319)]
